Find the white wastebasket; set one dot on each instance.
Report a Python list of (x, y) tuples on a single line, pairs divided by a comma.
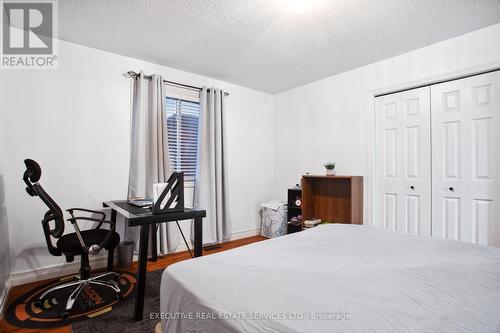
[(274, 222)]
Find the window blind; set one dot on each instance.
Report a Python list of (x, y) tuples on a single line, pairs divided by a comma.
[(182, 127)]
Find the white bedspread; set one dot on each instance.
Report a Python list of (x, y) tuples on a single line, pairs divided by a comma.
[(356, 278)]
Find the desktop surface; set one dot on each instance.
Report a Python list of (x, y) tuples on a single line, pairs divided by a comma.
[(137, 215)]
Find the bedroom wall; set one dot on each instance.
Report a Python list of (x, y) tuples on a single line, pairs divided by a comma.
[(75, 122), (5, 248), (329, 120)]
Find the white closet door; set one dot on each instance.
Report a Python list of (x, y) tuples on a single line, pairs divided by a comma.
[(448, 156), (483, 104), (465, 125), (402, 181), (388, 156), (417, 161)]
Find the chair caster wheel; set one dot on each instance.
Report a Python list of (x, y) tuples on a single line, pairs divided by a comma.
[(38, 303), (65, 315)]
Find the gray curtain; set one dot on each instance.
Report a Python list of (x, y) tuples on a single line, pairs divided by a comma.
[(149, 159), (211, 186)]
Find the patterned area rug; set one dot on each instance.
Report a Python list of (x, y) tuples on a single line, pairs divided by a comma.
[(94, 300), (120, 320)]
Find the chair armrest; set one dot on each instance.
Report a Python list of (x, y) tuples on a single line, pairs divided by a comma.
[(92, 248), (86, 210), (74, 219)]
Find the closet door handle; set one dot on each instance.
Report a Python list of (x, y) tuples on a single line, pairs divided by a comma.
[(412, 187), (451, 189)]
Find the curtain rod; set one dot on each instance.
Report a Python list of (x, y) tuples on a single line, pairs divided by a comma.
[(134, 75)]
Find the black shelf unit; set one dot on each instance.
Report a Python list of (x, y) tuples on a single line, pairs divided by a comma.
[(293, 210)]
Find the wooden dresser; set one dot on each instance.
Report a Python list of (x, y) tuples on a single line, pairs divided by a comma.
[(337, 199)]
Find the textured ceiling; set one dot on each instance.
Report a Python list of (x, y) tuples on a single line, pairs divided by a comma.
[(267, 44)]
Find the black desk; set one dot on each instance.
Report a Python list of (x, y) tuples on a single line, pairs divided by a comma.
[(144, 218)]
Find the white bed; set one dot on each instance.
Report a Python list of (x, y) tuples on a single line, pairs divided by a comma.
[(362, 279)]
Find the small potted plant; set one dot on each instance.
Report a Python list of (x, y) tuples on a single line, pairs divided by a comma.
[(330, 168)]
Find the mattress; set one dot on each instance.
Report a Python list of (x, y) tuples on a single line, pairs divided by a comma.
[(337, 278)]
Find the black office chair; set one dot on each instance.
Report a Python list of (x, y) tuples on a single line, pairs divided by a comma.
[(80, 243)]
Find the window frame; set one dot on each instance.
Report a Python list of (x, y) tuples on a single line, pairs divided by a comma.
[(189, 180)]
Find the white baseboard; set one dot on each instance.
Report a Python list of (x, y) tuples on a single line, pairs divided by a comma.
[(4, 296), (55, 271), (62, 269), (245, 233), (235, 235)]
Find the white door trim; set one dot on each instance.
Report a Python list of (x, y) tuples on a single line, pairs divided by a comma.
[(449, 76)]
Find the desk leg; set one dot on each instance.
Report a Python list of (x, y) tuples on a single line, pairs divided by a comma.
[(154, 248), (111, 252), (141, 272), (198, 237)]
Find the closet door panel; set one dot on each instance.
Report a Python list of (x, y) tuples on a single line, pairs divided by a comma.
[(413, 217), (448, 105), (466, 159), (402, 181), (452, 217), (483, 105), (388, 202), (417, 163)]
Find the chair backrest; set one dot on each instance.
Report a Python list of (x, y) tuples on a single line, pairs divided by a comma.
[(31, 177)]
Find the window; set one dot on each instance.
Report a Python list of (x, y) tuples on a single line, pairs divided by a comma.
[(182, 127)]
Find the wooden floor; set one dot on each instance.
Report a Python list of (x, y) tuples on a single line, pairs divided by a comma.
[(162, 262)]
